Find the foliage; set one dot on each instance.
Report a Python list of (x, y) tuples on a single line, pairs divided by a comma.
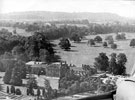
[(98, 39), (38, 92), (121, 61), (91, 42), (32, 83), (117, 64), (16, 77), (18, 91), (64, 70), (113, 46), (105, 88), (7, 89), (9, 65), (18, 73), (89, 70), (105, 44), (48, 88), (65, 44), (75, 38), (35, 43), (113, 64), (109, 39), (120, 36), (12, 89), (132, 43), (101, 62)]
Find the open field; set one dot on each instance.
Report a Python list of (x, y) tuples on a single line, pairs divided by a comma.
[(19, 31), (81, 53)]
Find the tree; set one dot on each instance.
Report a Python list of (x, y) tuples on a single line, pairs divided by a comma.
[(35, 43), (120, 36), (113, 46), (74, 88), (16, 77), (45, 56), (7, 89), (113, 64), (28, 91), (18, 92), (48, 88), (132, 43), (84, 86), (65, 44), (18, 73), (98, 39), (75, 38), (109, 38), (43, 92), (32, 83), (91, 42), (121, 61), (38, 92), (17, 50), (12, 89), (8, 75), (105, 44), (101, 62)]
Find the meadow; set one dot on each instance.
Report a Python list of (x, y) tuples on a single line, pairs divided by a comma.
[(81, 53)]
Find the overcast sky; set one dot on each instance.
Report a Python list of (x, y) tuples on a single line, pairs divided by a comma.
[(122, 7)]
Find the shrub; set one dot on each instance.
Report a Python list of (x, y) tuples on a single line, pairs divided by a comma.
[(65, 44), (120, 36), (12, 89), (18, 92), (7, 89), (105, 44), (113, 46), (98, 39), (91, 42), (132, 43), (109, 39)]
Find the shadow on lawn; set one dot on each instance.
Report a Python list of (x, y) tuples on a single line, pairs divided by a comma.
[(71, 50)]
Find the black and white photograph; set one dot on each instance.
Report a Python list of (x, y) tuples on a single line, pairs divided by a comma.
[(67, 50)]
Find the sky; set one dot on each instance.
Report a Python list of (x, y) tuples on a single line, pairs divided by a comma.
[(124, 8)]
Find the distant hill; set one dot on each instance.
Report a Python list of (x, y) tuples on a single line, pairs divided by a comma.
[(53, 16)]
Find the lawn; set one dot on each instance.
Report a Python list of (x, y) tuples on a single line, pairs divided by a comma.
[(81, 53), (19, 31)]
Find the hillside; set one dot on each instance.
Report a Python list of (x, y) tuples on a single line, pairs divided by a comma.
[(50, 16)]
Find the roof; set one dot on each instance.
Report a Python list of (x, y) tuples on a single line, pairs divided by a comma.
[(34, 62), (54, 65), (39, 65)]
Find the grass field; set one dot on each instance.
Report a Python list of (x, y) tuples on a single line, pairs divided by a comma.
[(19, 31), (81, 53)]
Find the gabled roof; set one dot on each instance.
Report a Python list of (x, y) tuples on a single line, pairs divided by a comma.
[(34, 62)]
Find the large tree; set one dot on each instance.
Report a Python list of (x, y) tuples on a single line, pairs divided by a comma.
[(17, 74), (36, 42), (65, 44), (91, 42), (121, 61), (132, 43), (9, 65), (75, 38), (114, 46), (113, 64), (98, 39), (101, 62)]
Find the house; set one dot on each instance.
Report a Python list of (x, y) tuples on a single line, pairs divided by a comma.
[(78, 71)]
